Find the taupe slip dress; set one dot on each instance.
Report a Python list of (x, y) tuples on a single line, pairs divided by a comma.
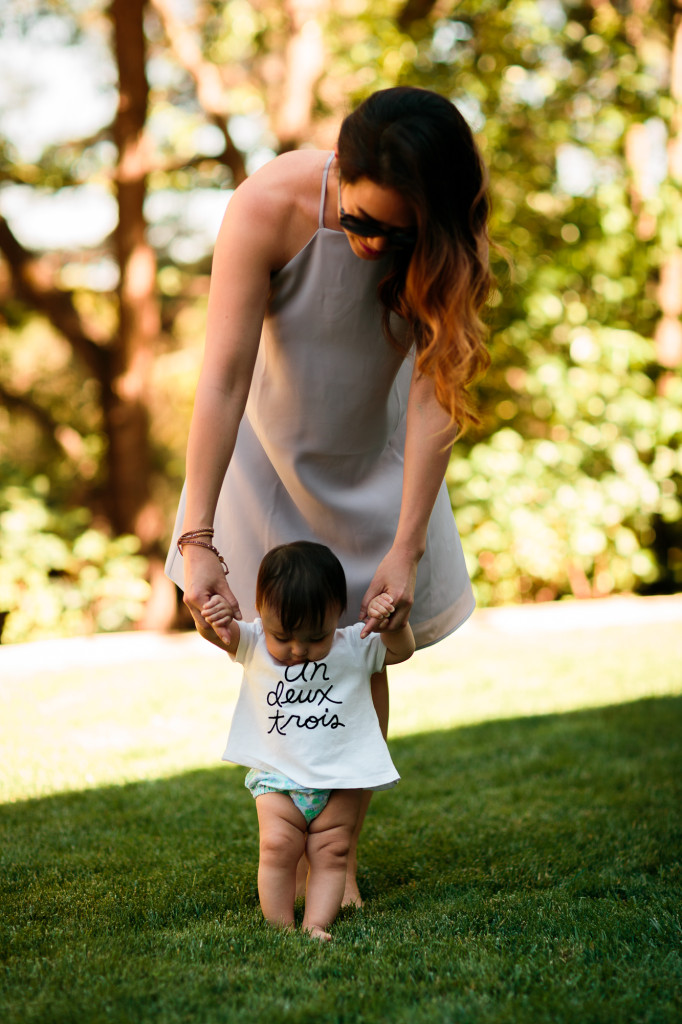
[(319, 454)]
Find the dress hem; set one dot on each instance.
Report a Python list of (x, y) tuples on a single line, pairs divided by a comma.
[(432, 631)]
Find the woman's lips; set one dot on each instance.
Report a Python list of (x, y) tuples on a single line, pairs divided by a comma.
[(368, 249)]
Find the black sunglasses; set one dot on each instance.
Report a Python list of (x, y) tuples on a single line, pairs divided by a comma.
[(365, 227)]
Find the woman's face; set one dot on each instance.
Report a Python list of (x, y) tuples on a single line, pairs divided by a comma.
[(372, 204)]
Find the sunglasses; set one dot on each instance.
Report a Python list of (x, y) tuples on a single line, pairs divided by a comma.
[(365, 227)]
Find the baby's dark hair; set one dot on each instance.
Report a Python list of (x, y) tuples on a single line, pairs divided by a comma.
[(301, 581)]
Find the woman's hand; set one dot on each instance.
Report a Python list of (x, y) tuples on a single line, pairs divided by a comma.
[(396, 578), (204, 578)]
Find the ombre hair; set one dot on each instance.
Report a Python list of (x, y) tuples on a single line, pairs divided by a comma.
[(417, 142)]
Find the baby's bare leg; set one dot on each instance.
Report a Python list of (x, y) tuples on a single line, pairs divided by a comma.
[(351, 895), (329, 840), (302, 876), (282, 841)]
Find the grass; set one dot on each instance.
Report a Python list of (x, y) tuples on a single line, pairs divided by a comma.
[(526, 869), (139, 713)]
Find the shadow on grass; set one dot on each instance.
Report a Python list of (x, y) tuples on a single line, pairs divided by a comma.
[(538, 835)]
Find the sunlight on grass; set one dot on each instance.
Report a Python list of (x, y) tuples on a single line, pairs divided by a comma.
[(483, 674), (147, 708)]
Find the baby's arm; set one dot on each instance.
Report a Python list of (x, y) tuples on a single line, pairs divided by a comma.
[(399, 643), (217, 612)]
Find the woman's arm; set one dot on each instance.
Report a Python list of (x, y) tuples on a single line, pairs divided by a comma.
[(248, 248), (428, 445)]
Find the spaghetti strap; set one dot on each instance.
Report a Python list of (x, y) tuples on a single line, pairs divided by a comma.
[(323, 194)]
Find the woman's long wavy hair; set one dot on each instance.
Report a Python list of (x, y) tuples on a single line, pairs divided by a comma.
[(418, 143)]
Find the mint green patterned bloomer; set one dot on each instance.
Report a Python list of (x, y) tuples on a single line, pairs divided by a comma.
[(310, 802)]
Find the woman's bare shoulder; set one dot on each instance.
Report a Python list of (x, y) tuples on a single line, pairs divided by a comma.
[(289, 182), (280, 202)]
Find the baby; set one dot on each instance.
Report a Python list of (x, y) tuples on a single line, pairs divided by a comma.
[(305, 724)]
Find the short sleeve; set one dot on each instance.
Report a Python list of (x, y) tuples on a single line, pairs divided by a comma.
[(372, 649), (248, 638)]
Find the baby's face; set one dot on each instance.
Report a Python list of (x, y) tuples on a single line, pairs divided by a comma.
[(299, 645)]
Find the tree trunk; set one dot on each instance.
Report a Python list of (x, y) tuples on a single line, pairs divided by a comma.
[(304, 62), (126, 403)]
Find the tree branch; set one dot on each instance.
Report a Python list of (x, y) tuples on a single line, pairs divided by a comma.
[(62, 438), (414, 10), (47, 424), (304, 60), (33, 282), (211, 90)]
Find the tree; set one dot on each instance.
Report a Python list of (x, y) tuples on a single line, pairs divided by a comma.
[(580, 410), (97, 415), (573, 483)]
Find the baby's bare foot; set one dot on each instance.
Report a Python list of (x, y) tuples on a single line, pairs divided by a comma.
[(351, 896), (315, 932)]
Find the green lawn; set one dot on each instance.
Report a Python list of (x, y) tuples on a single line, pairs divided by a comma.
[(527, 868)]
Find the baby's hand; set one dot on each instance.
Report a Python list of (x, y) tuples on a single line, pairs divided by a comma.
[(219, 613), (380, 607)]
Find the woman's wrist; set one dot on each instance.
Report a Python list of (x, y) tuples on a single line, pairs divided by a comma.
[(412, 549), (201, 538)]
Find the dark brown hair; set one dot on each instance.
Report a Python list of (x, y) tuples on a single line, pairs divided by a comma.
[(418, 143), (301, 581)]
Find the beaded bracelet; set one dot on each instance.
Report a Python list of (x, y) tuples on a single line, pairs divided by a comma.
[(194, 537)]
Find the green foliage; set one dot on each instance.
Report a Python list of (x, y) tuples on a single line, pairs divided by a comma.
[(59, 574), (573, 482), (583, 508)]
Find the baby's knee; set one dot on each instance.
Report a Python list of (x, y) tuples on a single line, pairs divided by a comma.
[(281, 844), (330, 847)]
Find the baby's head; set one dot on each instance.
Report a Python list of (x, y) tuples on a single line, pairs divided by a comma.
[(300, 596)]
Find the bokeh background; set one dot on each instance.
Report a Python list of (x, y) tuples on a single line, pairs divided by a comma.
[(124, 129)]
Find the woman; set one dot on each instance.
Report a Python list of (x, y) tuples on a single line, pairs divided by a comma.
[(342, 332)]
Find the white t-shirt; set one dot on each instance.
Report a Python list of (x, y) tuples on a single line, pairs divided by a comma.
[(314, 722)]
